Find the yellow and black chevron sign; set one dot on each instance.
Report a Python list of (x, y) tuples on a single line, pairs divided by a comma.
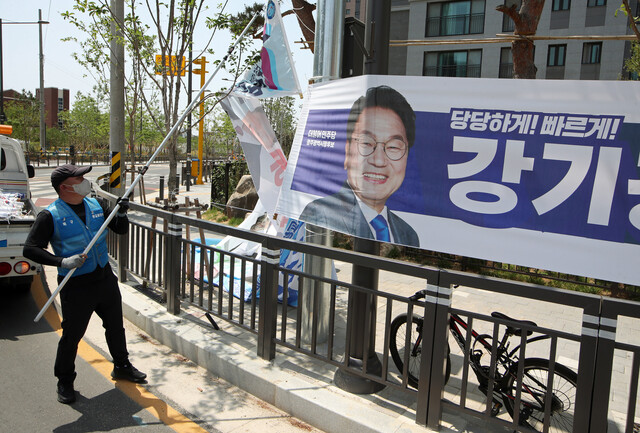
[(114, 180)]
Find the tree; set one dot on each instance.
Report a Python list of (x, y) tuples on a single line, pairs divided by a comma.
[(632, 65), (87, 124), (23, 114), (56, 138), (163, 27), (303, 11), (220, 141), (280, 112), (526, 24)]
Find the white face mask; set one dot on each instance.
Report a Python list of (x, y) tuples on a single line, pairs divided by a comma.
[(83, 188)]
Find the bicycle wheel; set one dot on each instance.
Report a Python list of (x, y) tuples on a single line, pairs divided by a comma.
[(534, 385), (397, 348)]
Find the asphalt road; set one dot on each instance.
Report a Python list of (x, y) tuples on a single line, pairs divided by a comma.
[(28, 387)]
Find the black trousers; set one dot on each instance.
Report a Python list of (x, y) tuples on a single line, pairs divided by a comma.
[(79, 299)]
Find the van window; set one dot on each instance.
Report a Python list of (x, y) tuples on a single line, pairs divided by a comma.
[(3, 160)]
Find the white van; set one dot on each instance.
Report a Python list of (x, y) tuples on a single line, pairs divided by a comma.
[(17, 213)]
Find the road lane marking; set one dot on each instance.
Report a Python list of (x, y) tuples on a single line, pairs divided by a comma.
[(145, 399)]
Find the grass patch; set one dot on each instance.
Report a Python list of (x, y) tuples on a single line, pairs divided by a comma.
[(218, 216)]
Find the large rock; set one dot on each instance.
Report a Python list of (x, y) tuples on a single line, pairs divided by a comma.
[(244, 198)]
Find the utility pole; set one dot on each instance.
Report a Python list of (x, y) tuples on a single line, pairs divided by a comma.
[(116, 114), (3, 118), (43, 127), (315, 300)]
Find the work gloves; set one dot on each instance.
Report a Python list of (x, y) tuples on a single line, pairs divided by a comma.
[(124, 206), (74, 261)]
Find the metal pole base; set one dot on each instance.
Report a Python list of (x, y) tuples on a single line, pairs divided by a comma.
[(350, 382)]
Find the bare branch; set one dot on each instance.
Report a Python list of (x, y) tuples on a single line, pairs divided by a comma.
[(632, 22), (511, 12)]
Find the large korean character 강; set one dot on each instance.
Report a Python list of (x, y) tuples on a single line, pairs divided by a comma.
[(485, 151)]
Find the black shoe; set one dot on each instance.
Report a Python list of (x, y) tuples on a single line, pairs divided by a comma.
[(66, 393), (128, 372)]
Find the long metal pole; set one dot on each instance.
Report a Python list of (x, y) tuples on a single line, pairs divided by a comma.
[(43, 128), (144, 169)]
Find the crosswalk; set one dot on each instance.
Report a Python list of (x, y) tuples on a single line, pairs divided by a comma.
[(42, 193)]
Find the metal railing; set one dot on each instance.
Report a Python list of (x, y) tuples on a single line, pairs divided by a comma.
[(506, 70), (192, 272), (55, 159), (453, 71)]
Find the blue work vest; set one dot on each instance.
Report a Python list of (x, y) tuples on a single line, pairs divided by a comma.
[(71, 235)]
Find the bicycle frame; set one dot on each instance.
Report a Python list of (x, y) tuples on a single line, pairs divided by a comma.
[(508, 360), (504, 357)]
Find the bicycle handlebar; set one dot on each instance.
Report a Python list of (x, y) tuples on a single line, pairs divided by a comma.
[(420, 294)]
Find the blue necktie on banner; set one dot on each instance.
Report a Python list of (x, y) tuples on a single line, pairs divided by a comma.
[(382, 229)]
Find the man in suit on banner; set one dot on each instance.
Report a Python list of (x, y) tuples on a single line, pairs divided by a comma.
[(380, 132)]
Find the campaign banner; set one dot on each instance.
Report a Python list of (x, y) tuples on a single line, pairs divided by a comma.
[(539, 173), (274, 75), (263, 153)]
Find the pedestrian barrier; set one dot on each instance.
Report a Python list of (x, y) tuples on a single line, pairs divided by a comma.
[(592, 335)]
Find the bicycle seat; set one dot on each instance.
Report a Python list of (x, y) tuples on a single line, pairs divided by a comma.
[(510, 329)]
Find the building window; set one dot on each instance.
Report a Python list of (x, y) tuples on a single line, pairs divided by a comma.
[(60, 104), (591, 52), (465, 63), (357, 14), (455, 18), (348, 11), (561, 5), (556, 55), (592, 3), (506, 63)]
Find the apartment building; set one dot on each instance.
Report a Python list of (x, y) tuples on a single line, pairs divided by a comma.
[(55, 101), (431, 20), (355, 9)]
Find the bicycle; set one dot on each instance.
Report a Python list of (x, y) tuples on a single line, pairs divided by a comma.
[(534, 380)]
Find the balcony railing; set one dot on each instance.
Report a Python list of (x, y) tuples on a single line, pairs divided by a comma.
[(455, 25), (506, 70), (453, 71)]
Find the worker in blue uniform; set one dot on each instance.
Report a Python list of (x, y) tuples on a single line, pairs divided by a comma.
[(69, 224)]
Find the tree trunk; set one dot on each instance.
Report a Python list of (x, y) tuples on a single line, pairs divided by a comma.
[(526, 24), (303, 11)]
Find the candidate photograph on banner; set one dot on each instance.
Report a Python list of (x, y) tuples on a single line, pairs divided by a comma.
[(537, 173)]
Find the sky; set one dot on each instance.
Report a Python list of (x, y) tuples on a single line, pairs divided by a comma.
[(20, 47)]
